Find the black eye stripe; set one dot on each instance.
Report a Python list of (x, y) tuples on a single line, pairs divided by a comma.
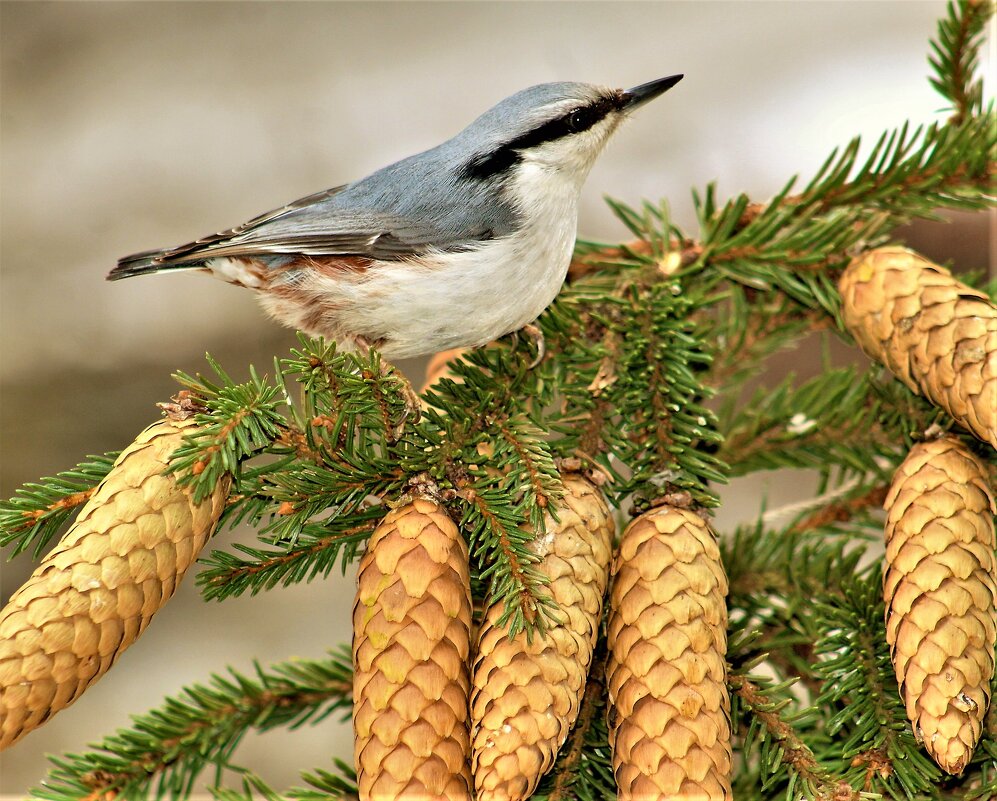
[(574, 121), (571, 122)]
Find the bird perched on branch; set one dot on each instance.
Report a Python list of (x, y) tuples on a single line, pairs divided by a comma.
[(452, 247)]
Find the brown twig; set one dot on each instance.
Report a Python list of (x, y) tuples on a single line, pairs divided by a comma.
[(842, 511), (794, 752), (296, 439), (66, 502), (564, 774), (657, 400), (877, 762)]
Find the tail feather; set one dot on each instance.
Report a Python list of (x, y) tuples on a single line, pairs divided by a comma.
[(148, 261)]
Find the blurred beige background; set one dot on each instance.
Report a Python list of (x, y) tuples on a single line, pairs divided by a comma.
[(128, 126)]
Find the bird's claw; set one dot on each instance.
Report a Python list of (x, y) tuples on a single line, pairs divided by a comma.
[(534, 333), (413, 407)]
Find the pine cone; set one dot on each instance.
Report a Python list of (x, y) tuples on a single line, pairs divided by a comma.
[(411, 640), (934, 333), (95, 593), (527, 692), (940, 587), (669, 717)]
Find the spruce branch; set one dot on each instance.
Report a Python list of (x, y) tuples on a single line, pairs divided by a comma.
[(773, 575), (302, 492), (791, 564), (39, 511), (337, 451), (525, 441), (747, 328), (796, 242), (843, 509), (501, 467), (645, 364), (838, 418), (492, 417), (631, 356), (869, 726), (954, 56), (500, 544), (762, 712), (315, 551), (239, 420), (164, 751), (323, 785), (491, 383), (340, 785)]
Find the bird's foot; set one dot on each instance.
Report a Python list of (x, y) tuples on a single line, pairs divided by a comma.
[(534, 333), (413, 406)]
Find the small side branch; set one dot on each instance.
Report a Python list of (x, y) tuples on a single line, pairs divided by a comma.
[(165, 749), (842, 511), (793, 752)]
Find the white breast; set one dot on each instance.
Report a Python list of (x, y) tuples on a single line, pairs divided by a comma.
[(470, 298)]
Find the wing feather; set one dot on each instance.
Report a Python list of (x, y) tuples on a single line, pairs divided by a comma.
[(311, 226), (183, 252)]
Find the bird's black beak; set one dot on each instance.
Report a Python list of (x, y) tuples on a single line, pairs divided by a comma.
[(639, 95)]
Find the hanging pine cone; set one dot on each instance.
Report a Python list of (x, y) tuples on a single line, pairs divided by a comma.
[(411, 641), (669, 716), (97, 590), (940, 586), (526, 692), (934, 333)]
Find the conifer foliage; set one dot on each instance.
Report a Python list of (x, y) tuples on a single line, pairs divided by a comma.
[(644, 391)]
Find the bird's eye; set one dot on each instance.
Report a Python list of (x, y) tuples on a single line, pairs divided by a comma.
[(578, 120)]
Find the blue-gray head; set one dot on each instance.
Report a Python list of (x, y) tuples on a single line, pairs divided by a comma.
[(523, 151), (563, 125), (520, 152)]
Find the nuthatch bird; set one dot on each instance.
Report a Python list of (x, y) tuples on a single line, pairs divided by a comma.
[(449, 248)]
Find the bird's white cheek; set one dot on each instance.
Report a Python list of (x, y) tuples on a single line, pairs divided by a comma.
[(574, 155)]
